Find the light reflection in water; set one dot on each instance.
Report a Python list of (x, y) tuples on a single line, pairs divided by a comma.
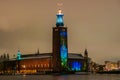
[(62, 77)]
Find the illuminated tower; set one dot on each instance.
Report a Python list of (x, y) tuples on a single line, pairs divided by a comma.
[(18, 60), (60, 48), (18, 55)]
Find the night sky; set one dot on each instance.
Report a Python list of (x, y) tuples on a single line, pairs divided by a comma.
[(92, 24)]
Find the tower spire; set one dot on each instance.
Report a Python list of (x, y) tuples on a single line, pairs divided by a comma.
[(86, 53), (38, 51), (18, 55), (59, 20)]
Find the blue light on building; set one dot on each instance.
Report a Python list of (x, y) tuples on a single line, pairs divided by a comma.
[(76, 66), (63, 54), (63, 48), (63, 33)]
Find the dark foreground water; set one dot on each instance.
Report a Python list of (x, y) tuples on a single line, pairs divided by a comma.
[(62, 77)]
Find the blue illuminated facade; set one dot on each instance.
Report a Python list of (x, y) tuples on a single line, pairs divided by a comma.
[(76, 66), (63, 48)]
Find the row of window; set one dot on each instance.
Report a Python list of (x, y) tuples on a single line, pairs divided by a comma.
[(36, 66)]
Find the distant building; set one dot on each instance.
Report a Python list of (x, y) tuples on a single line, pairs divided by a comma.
[(118, 65), (110, 66)]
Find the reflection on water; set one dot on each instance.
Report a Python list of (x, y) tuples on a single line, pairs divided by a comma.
[(62, 77)]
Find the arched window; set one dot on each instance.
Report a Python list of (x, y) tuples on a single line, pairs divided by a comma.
[(45, 65), (41, 65), (48, 65), (38, 65)]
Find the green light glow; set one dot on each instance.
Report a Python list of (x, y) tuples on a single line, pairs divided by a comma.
[(18, 55), (63, 48)]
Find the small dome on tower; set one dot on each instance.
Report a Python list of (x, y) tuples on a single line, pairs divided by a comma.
[(59, 11), (59, 20)]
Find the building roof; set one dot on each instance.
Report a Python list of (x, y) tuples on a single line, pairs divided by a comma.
[(47, 55), (75, 56), (33, 56), (36, 55)]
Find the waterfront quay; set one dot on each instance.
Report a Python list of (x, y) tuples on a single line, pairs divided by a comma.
[(62, 77)]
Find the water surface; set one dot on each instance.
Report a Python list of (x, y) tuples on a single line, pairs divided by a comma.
[(62, 77)]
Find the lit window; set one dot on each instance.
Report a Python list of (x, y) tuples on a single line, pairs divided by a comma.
[(38, 65), (35, 66), (48, 65), (45, 65), (41, 65)]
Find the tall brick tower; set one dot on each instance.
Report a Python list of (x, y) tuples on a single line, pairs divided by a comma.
[(60, 47)]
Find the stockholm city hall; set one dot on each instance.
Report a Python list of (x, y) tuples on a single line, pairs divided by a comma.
[(57, 61)]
